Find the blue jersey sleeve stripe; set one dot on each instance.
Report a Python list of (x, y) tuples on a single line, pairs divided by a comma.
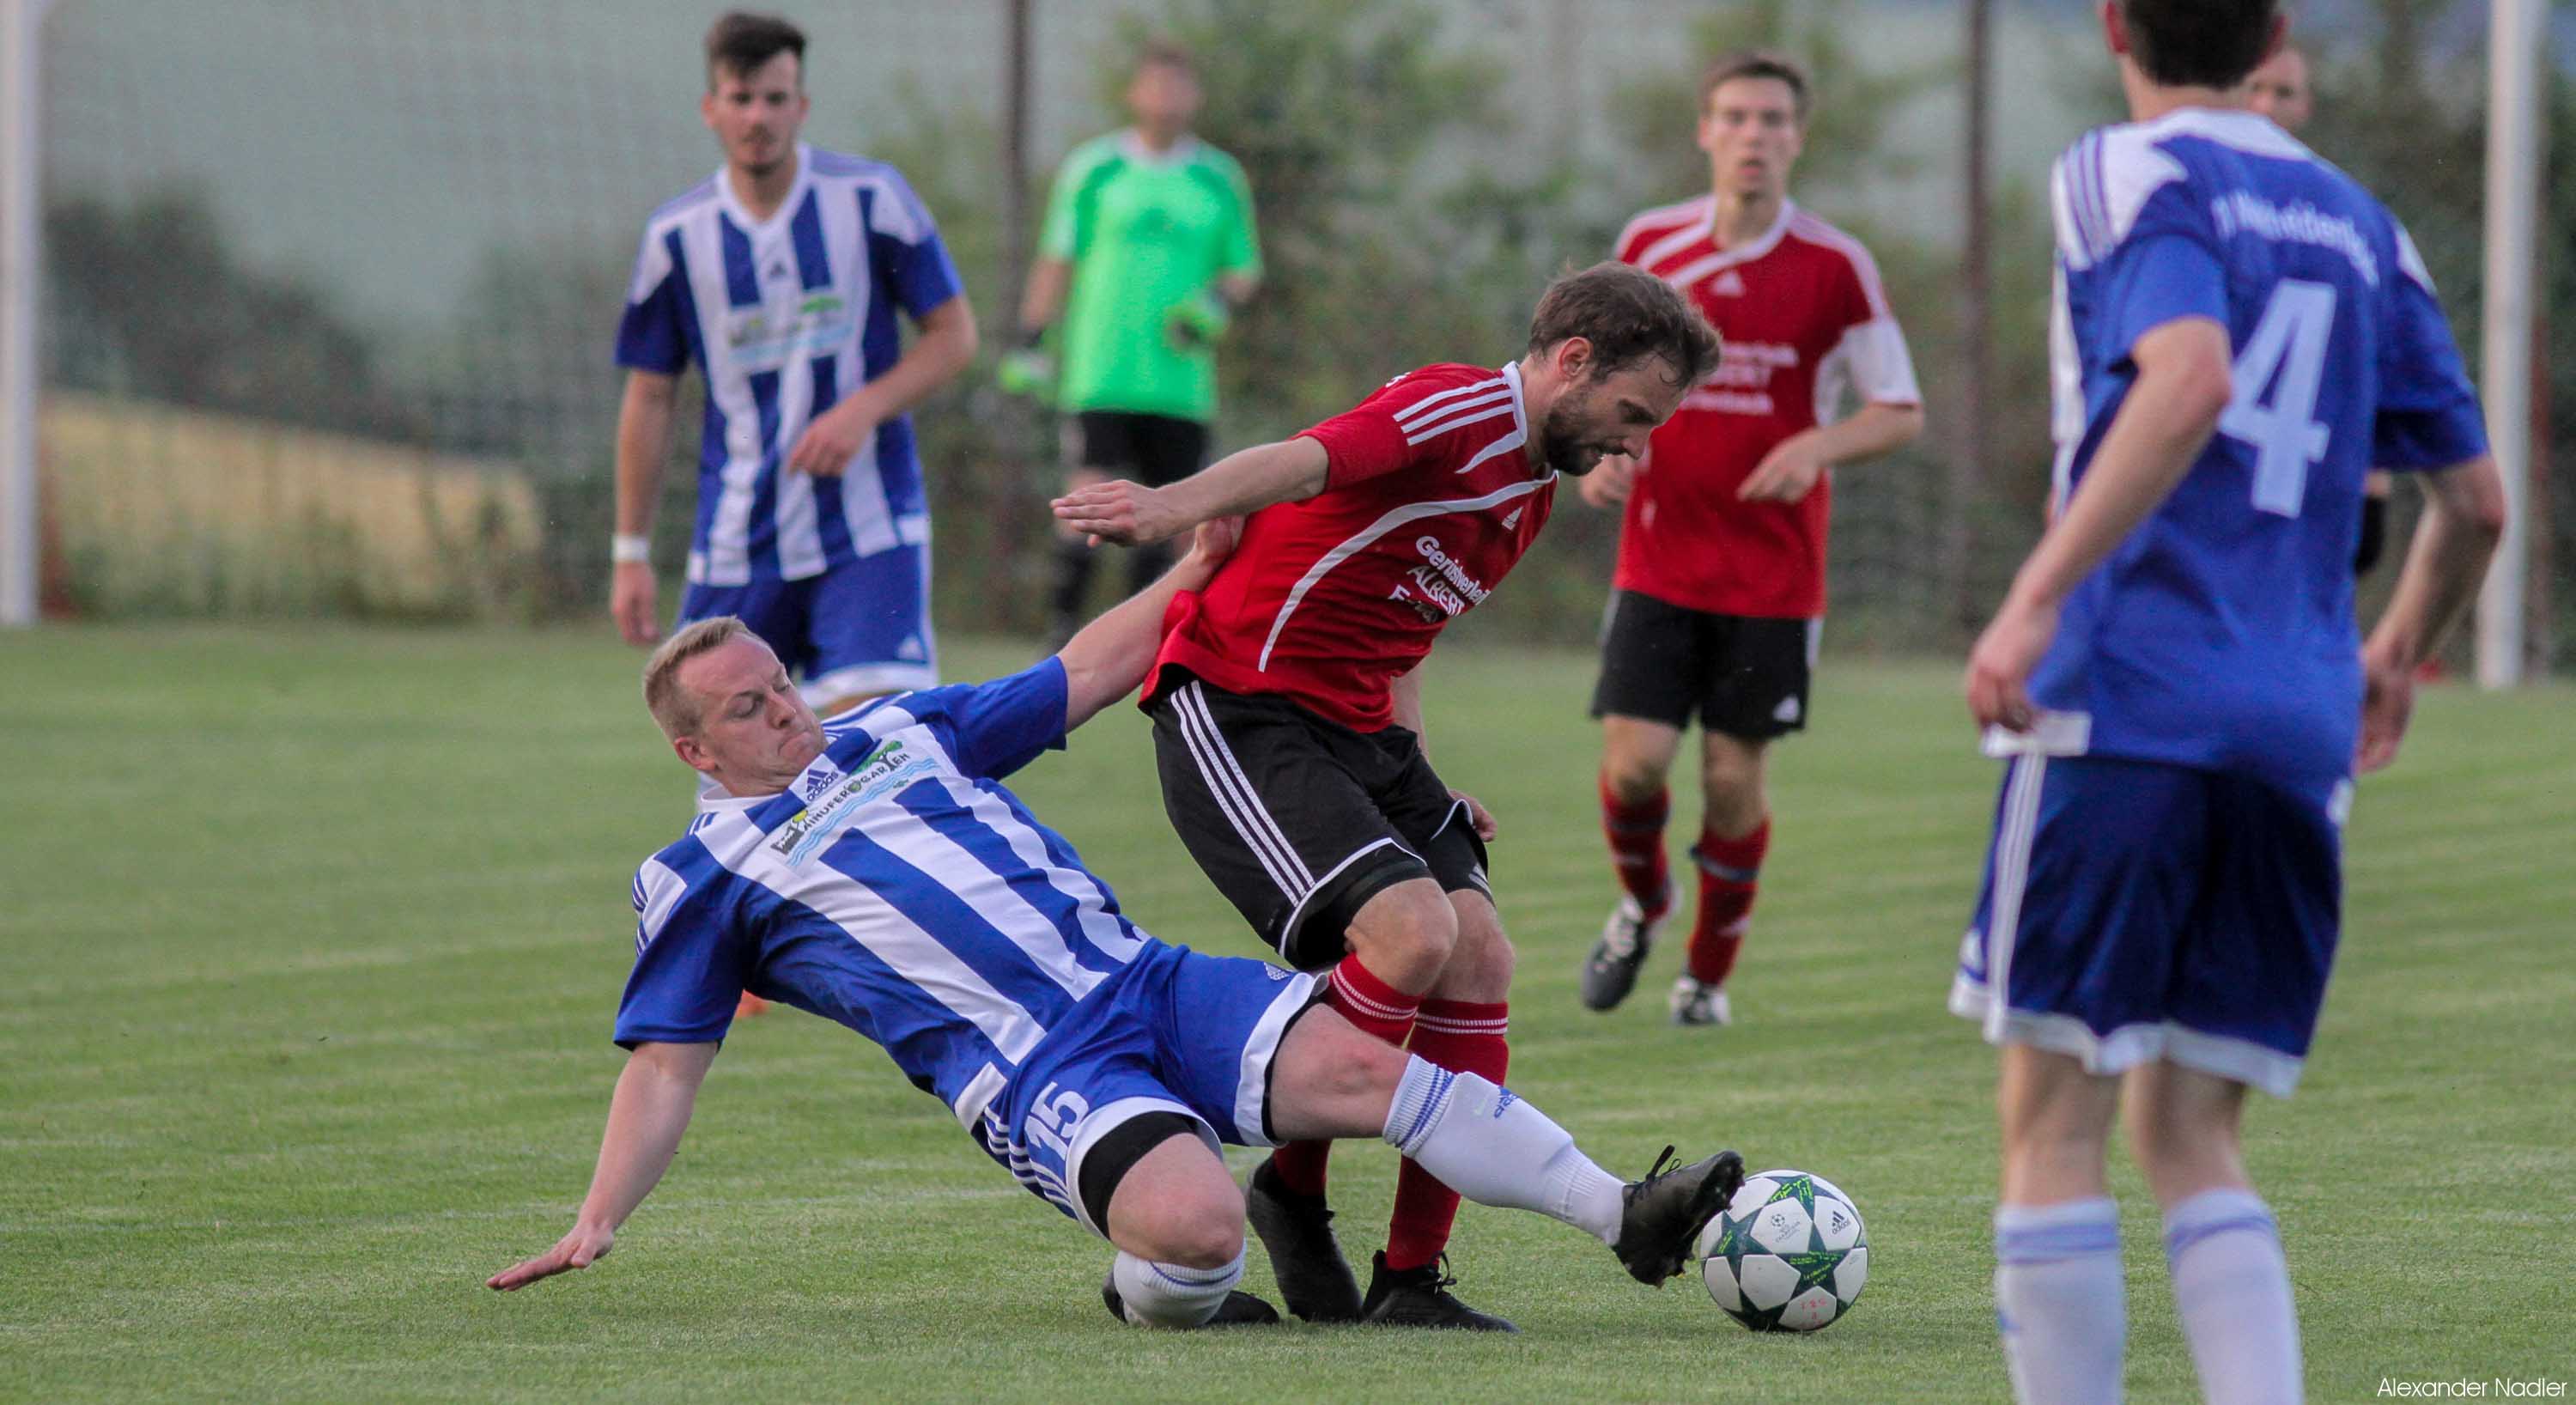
[(654, 333), (1004, 724), (2079, 223), (897, 213), (686, 200), (690, 964), (684, 292), (2097, 219), (905, 250)]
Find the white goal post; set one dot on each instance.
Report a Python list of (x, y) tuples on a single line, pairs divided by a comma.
[(2516, 50), (21, 270)]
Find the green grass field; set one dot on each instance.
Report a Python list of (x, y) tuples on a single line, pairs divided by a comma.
[(312, 942)]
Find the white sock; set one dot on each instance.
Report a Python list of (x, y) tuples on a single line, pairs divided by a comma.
[(2059, 1301), (2233, 1291), (1483, 1142), (1169, 1295)]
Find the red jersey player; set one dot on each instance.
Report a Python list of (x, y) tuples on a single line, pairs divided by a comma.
[(1288, 721), (1721, 581)]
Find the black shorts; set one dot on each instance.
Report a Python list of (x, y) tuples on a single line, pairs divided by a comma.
[(1744, 677), (1299, 821), (1152, 449)]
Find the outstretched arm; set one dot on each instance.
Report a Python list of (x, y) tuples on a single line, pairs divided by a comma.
[(1109, 657), (650, 1110), (1131, 514)]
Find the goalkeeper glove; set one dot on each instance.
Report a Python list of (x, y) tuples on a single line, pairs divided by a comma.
[(1200, 322), (1028, 370)]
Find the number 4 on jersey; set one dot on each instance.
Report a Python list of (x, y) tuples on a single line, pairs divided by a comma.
[(2286, 357)]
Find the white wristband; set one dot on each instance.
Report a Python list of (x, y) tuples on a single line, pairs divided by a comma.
[(623, 549)]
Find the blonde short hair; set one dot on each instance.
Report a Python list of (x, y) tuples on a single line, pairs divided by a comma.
[(671, 705)]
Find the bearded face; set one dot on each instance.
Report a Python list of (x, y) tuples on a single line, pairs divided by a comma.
[(1568, 443), (1607, 414)]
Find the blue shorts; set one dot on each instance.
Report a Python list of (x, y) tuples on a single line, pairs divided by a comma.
[(2136, 910), (859, 629), (1171, 1032)]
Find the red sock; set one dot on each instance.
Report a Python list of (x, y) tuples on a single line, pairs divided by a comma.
[(1729, 869), (1465, 1036), (1377, 1008), (1636, 834)]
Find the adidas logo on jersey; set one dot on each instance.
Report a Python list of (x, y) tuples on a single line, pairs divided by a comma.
[(1511, 519), (1729, 284)]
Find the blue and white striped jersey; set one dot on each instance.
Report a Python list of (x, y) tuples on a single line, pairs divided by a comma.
[(785, 316), (2220, 634), (896, 888)]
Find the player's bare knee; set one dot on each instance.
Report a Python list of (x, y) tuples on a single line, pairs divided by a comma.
[(1731, 767), (2180, 1156), (1481, 963), (1406, 934), (1635, 758), (1212, 1239), (1632, 777), (1736, 802), (1194, 1221)]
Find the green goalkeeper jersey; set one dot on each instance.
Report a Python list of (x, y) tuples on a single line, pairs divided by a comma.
[(1146, 233)]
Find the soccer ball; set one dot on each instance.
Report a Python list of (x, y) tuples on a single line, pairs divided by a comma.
[(1786, 1255)]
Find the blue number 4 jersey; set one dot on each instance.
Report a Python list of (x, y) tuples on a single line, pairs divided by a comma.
[(2220, 634)]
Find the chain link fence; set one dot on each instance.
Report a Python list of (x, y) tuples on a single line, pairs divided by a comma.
[(330, 288)]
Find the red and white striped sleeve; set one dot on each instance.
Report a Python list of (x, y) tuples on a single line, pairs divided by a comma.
[(1872, 352), (1410, 420)]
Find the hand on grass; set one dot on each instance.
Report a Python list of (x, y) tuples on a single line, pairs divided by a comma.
[(580, 1249)]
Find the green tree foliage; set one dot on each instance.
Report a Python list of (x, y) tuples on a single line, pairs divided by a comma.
[(2411, 125), (1332, 107), (1854, 102), (153, 301)]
